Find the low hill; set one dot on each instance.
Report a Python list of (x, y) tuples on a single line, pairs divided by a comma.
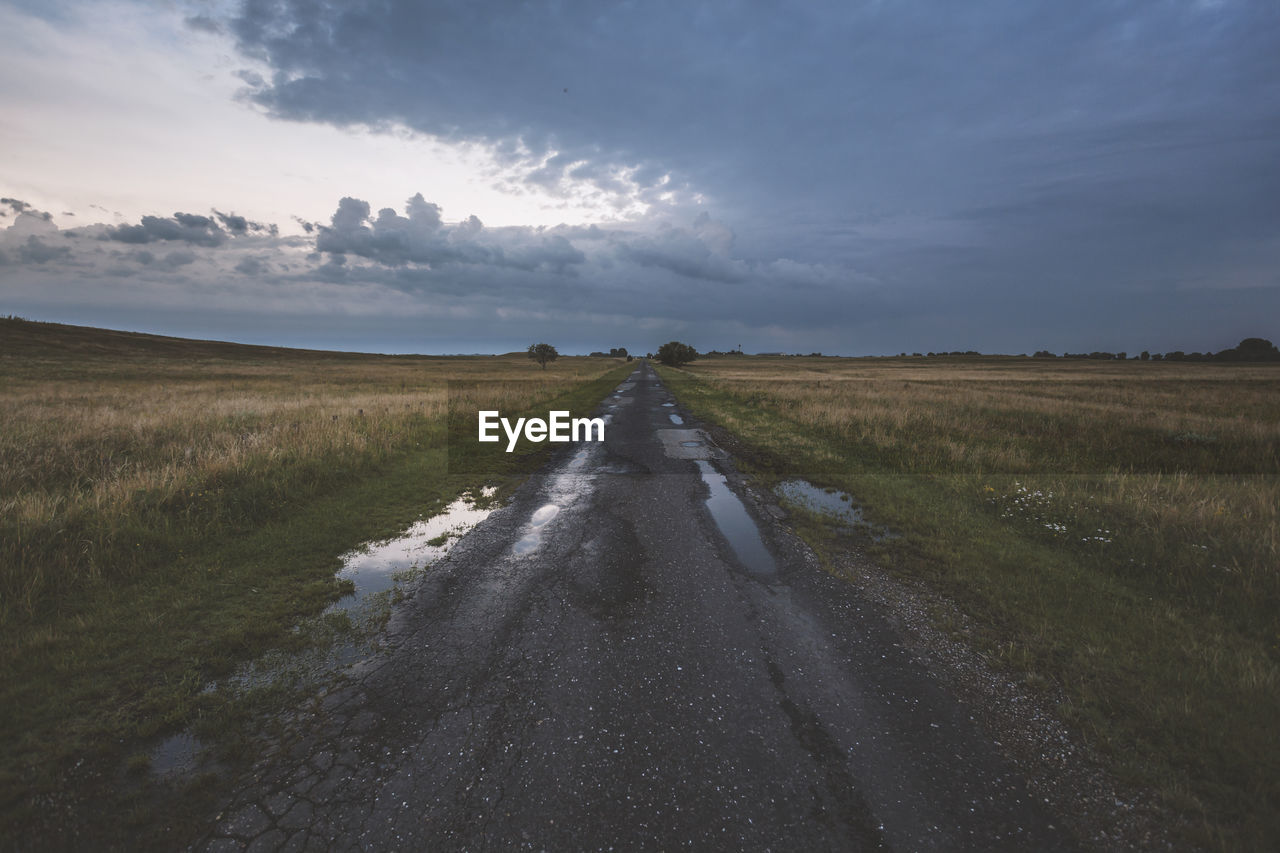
[(33, 339)]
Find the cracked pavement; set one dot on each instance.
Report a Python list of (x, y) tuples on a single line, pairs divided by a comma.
[(608, 675)]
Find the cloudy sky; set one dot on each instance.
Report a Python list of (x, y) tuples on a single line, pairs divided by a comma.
[(854, 177)]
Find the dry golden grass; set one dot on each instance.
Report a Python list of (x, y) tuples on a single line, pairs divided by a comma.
[(1165, 453), (114, 449)]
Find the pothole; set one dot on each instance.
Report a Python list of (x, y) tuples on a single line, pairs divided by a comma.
[(834, 504), (737, 525)]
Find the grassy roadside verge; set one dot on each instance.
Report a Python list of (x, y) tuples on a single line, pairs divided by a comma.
[(1114, 536), (187, 503)]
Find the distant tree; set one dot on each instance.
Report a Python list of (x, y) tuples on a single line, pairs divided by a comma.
[(649, 356), (1144, 355), (543, 353), (1044, 353), (1250, 349), (1258, 349), (618, 352), (675, 353)]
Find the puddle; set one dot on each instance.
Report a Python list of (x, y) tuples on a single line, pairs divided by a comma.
[(691, 444), (668, 405), (531, 540), (347, 631), (676, 419), (831, 503), (175, 756), (564, 489), (736, 524), (374, 567)]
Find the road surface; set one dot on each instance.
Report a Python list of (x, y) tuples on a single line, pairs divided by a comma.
[(597, 667)]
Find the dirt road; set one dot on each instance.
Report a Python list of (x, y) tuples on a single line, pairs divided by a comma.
[(598, 665)]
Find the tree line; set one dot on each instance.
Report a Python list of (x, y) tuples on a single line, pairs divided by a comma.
[(1250, 349), (675, 353)]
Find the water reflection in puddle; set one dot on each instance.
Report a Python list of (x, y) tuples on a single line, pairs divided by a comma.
[(531, 540), (676, 419), (831, 503), (691, 444), (736, 524), (565, 488), (374, 567), (343, 634), (668, 404), (175, 756)]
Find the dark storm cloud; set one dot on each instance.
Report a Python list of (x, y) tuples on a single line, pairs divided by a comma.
[(204, 24), (234, 224), (250, 266), (239, 225), (179, 258), (666, 274), (18, 206), (193, 228), (957, 150), (714, 89), (36, 251), (681, 252), (184, 227), (420, 237)]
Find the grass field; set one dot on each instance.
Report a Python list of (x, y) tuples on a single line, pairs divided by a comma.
[(1113, 526), (169, 508)]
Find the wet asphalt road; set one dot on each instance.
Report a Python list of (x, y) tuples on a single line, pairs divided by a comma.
[(607, 674)]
